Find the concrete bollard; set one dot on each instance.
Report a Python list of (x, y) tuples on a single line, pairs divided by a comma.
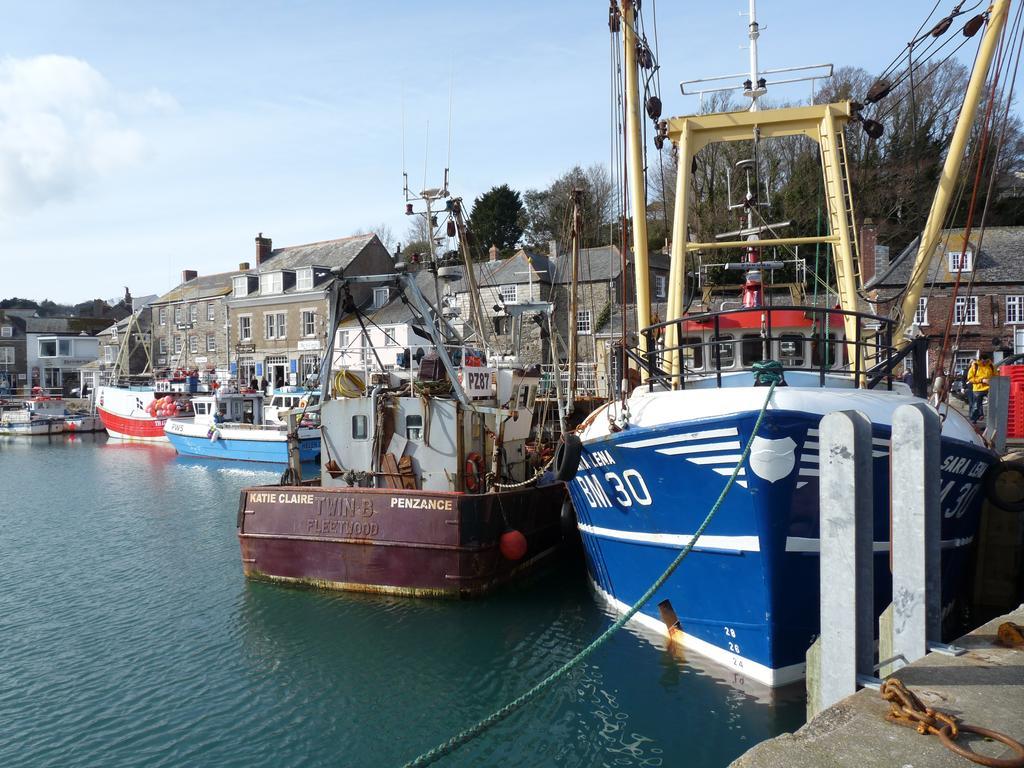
[(998, 417), (916, 521), (846, 502)]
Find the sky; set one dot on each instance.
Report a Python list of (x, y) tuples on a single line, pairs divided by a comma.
[(139, 139)]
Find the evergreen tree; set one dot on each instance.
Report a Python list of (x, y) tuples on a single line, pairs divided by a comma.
[(496, 219)]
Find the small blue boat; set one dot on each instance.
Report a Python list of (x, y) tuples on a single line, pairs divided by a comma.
[(231, 425)]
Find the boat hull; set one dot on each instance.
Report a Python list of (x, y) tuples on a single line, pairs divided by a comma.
[(406, 542), (747, 595), (124, 416), (86, 423), (32, 428), (239, 443)]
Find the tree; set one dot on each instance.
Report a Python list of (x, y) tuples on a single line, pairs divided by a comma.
[(384, 233), (548, 211), (497, 219)]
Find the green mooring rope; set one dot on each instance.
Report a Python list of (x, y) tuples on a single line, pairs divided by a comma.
[(449, 746)]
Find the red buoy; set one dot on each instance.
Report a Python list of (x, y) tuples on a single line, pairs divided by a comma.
[(512, 545)]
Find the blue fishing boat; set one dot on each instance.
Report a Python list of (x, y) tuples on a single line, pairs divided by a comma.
[(654, 460), (231, 425)]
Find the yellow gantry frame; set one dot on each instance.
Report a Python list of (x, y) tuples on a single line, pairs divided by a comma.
[(824, 124)]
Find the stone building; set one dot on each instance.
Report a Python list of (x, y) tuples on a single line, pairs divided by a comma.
[(56, 348), (988, 308), (13, 357), (279, 309), (190, 324)]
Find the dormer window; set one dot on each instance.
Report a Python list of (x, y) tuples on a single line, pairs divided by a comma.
[(380, 297), (241, 286), (304, 279), (960, 261), (272, 282), (7, 331)]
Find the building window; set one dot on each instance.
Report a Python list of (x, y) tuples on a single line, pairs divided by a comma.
[(583, 322), (414, 427), (343, 339), (274, 325), (162, 315), (55, 348), (178, 315), (359, 424), (960, 261), (162, 347), (6, 355), (1015, 309), (240, 286), (108, 354), (177, 344), (245, 328), (309, 367), (380, 297), (7, 331), (211, 311), (509, 294), (308, 322), (921, 316), (193, 313), (193, 344), (660, 286), (962, 361), (965, 312), (211, 342), (304, 280), (391, 336), (272, 282)]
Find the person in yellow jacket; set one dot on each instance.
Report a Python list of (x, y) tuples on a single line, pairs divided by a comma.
[(978, 374)]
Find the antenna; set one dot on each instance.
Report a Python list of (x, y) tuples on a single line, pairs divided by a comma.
[(405, 174), (756, 82), (426, 153), (451, 96)]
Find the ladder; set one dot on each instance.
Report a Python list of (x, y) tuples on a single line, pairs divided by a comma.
[(839, 197)]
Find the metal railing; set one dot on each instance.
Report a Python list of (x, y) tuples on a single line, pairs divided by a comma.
[(586, 380), (707, 348)]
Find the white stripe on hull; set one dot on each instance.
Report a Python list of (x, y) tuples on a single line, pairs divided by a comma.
[(774, 678)]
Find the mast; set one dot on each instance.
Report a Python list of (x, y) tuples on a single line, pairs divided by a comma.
[(950, 170), (637, 187), (755, 89), (577, 228)]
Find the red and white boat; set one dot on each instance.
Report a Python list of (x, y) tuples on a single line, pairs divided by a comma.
[(138, 413)]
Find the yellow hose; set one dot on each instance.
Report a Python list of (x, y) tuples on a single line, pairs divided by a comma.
[(348, 384)]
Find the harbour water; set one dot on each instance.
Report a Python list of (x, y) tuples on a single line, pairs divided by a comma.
[(129, 637)]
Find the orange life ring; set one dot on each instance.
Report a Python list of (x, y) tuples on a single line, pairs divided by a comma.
[(474, 472)]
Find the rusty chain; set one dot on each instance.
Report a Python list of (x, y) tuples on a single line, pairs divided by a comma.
[(905, 708)]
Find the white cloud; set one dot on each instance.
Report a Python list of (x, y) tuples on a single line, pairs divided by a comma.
[(62, 126)]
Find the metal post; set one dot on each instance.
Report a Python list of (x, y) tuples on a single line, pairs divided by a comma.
[(998, 416), (916, 520), (845, 500)]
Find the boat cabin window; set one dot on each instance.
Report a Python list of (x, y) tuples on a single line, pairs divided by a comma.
[(248, 412), (751, 349), (693, 352), (359, 430), (724, 348), (526, 395), (414, 427), (833, 351), (791, 350), (202, 409)]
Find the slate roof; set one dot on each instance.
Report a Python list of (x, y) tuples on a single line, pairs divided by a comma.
[(326, 253), (510, 271), (202, 287), (397, 311), (1001, 259), (71, 326)]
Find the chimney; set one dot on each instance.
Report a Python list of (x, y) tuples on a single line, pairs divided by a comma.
[(553, 249), (868, 242), (243, 267), (263, 247), (188, 275), (493, 252)]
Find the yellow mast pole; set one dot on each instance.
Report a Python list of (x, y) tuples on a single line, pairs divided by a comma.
[(951, 169), (677, 265), (637, 188)]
